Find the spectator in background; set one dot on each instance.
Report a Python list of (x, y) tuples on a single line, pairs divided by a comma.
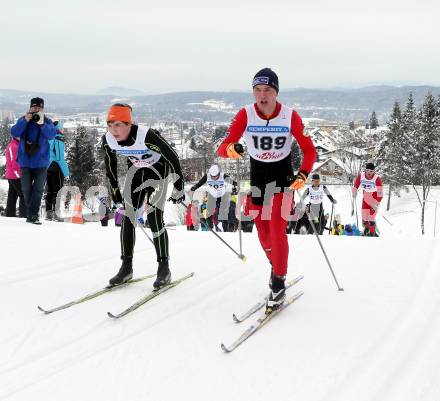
[(104, 210), (188, 217), (195, 215), (34, 130), (204, 223), (13, 175), (56, 173)]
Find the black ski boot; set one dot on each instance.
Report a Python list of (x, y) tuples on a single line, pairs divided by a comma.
[(163, 275), (277, 294), (33, 220), (125, 273)]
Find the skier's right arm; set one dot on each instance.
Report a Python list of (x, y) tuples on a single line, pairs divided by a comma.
[(111, 171), (305, 194), (200, 183), (230, 148), (356, 185)]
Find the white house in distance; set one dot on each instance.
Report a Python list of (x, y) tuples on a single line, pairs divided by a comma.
[(332, 171)]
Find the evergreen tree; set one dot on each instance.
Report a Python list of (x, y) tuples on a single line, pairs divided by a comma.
[(425, 151), (389, 154), (219, 133), (296, 156), (374, 123), (5, 135), (82, 160), (409, 127)]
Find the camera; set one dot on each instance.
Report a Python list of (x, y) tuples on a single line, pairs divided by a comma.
[(36, 116)]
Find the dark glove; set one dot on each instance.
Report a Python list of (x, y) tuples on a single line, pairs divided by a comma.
[(116, 195), (177, 200), (238, 147), (234, 150), (177, 196), (334, 201)]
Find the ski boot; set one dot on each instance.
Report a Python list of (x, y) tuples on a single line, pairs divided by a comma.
[(33, 220), (277, 294), (271, 279), (163, 275), (49, 215), (124, 274)]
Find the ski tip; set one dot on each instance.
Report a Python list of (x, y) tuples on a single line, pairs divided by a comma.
[(235, 318), (243, 258), (109, 314), (224, 349), (42, 310)]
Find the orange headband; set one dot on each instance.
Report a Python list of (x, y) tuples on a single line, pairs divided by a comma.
[(119, 113)]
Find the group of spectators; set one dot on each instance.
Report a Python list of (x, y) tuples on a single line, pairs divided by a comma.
[(35, 159), (198, 218)]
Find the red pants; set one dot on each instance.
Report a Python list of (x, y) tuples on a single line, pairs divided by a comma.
[(368, 212), (271, 221)]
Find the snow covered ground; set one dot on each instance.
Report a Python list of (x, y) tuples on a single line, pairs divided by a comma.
[(376, 341)]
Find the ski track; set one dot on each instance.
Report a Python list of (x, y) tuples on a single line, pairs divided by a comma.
[(400, 363), (76, 358)]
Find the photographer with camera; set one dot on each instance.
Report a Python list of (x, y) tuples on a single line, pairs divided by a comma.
[(34, 130)]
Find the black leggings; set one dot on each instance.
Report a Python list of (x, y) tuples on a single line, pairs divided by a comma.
[(153, 186), (15, 192), (54, 182)]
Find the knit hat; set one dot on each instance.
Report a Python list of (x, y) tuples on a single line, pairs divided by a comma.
[(214, 170), (120, 112), (369, 166), (58, 125), (37, 101), (266, 77), (316, 177)]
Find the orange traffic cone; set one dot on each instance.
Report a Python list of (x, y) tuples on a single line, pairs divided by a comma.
[(77, 216)]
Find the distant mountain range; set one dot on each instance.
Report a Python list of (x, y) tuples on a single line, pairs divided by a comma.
[(118, 91), (337, 104)]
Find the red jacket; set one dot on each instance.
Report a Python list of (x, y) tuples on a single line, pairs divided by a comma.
[(238, 126), (377, 195), (189, 221)]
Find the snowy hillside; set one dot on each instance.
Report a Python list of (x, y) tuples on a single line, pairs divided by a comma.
[(377, 340)]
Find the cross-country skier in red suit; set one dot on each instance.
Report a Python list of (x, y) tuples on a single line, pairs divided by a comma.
[(373, 194), (268, 129)]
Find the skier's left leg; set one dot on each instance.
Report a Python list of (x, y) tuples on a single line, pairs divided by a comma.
[(281, 206)]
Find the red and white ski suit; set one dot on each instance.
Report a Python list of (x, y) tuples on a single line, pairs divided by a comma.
[(268, 143), (372, 196)]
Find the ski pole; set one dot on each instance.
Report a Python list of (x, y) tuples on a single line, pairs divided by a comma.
[(389, 222), (357, 218), (242, 257), (146, 234), (320, 243), (240, 241), (331, 220)]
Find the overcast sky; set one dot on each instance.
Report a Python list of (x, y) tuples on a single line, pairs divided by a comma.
[(162, 46)]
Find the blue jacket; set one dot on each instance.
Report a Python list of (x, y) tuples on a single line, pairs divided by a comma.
[(57, 153), (47, 131)]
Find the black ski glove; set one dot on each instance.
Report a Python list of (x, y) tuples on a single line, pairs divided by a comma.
[(177, 196)]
